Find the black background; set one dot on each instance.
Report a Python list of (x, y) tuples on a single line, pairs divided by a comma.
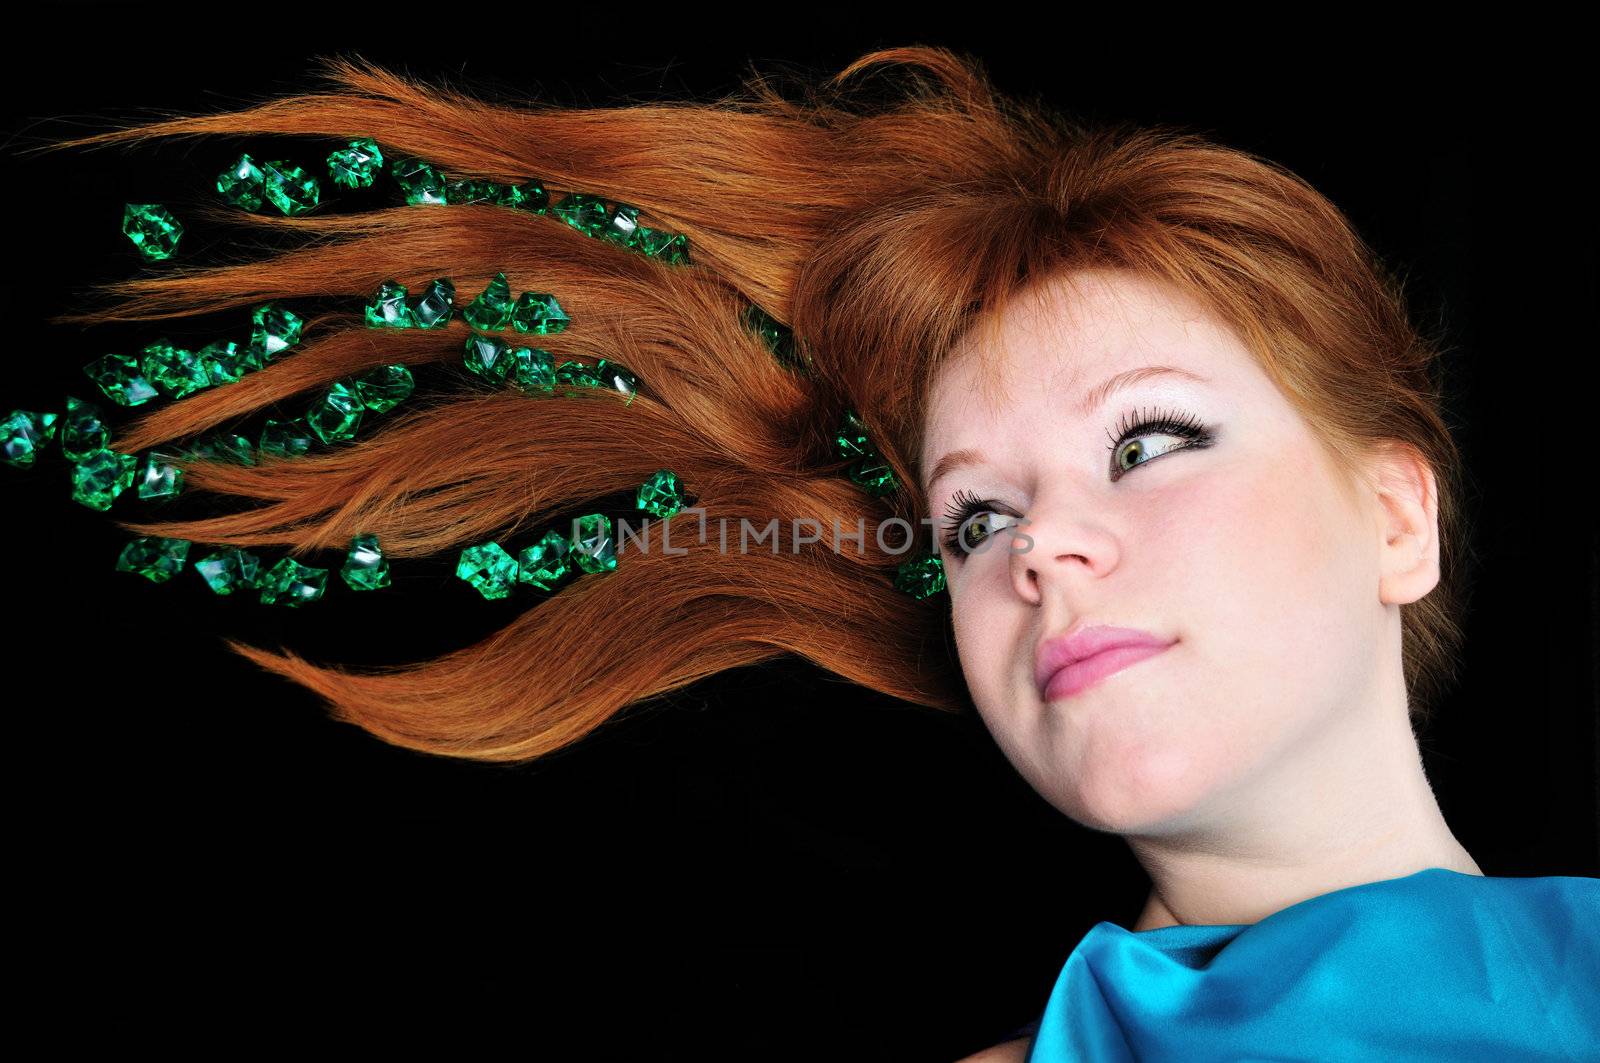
[(772, 861)]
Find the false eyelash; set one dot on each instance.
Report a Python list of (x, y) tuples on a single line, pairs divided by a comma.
[(963, 504), (957, 510), (1178, 424)]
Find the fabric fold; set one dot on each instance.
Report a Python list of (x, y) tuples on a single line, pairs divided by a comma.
[(1435, 965)]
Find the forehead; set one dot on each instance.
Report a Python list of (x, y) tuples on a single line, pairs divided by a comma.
[(1064, 334)]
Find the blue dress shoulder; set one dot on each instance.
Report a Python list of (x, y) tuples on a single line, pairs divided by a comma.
[(1437, 965)]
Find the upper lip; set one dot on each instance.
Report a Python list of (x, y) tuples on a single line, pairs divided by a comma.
[(1085, 640)]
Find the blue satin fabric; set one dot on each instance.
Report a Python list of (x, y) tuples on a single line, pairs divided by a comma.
[(1437, 965)]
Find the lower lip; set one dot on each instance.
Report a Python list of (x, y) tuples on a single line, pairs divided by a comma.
[(1089, 671)]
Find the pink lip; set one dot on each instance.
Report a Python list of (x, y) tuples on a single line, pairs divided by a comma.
[(1064, 666)]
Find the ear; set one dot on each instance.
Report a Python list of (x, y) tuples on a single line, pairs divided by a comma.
[(1407, 525)]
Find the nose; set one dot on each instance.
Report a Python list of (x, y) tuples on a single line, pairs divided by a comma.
[(1058, 547)]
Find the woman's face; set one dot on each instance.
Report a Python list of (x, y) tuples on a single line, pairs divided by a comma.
[(1242, 550)]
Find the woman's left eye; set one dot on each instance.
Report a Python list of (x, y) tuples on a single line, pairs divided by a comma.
[(1127, 458)]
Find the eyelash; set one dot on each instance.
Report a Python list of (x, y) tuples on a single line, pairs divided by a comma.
[(965, 505)]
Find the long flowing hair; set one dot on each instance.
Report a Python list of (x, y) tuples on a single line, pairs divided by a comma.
[(877, 218)]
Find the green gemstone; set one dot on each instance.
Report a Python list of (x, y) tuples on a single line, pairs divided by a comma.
[(533, 369), (621, 224), (120, 377), (159, 478), (224, 361), (356, 166), (230, 569), (529, 196), (420, 182), (675, 252), (488, 568), (874, 474), (672, 248), (273, 330), (287, 439), (572, 377), (236, 448), (241, 183), (152, 228), (175, 371), (611, 375), (546, 562), (592, 547), (583, 212), (388, 308), (384, 388), (336, 417), (661, 494), (510, 196), (489, 357), (539, 312), (365, 567), (649, 241), (492, 309), (293, 584), (101, 476), (153, 557), (921, 577), (471, 190), (24, 433), (778, 337), (82, 430), (226, 447), (288, 187), (435, 305), (850, 440)]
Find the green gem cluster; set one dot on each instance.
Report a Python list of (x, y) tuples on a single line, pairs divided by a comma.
[(546, 563), (100, 473), (424, 184), (334, 417), (534, 370), (923, 574), (251, 185), (163, 368), (493, 310), (868, 469), (232, 569)]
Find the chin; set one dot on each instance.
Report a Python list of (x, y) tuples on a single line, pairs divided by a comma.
[(1141, 792)]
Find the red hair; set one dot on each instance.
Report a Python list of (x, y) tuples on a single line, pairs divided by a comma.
[(879, 232)]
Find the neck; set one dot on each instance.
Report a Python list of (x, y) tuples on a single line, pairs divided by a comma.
[(1355, 807)]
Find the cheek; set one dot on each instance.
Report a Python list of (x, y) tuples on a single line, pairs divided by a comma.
[(1269, 570), (983, 645), (987, 631)]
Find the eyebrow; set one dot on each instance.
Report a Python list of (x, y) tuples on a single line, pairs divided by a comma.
[(1094, 398)]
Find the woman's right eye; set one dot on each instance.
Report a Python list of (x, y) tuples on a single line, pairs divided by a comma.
[(971, 523)]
